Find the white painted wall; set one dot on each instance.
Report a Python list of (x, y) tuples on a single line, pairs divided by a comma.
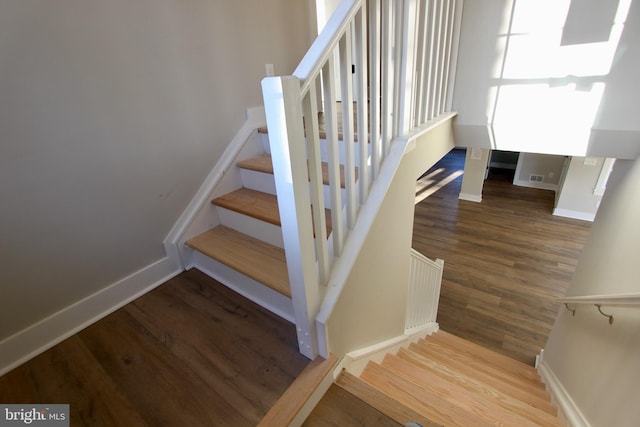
[(576, 197), (111, 115), (549, 76), (597, 363), (372, 306)]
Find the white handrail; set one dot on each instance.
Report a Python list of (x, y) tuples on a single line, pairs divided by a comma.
[(605, 299), (326, 43)]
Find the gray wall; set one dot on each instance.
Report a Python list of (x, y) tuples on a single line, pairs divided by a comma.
[(597, 363), (111, 115)]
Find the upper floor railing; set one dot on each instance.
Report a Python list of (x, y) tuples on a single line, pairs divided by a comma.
[(394, 68)]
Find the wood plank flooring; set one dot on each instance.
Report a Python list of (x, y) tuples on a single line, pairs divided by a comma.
[(506, 258), (340, 408), (190, 352)]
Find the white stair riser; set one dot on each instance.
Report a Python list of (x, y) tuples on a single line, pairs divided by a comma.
[(265, 182), (324, 150), (258, 181), (253, 227)]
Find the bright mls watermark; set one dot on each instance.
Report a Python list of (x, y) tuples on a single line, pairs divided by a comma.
[(34, 415)]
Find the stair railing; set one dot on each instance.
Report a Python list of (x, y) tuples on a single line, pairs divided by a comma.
[(608, 300), (403, 89)]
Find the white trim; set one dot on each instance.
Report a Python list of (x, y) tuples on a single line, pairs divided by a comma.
[(255, 118), (568, 213), (470, 197), (561, 397), (41, 336)]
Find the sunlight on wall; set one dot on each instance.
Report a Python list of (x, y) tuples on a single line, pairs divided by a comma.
[(550, 85)]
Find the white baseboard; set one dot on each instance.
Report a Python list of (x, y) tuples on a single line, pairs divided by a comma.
[(532, 184), (568, 409), (567, 213), (41, 336), (470, 197)]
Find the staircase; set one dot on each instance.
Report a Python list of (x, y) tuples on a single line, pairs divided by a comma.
[(445, 380), (249, 239)]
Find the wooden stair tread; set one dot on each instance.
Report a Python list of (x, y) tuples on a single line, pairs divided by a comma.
[(263, 163), (418, 399), (483, 408), (483, 390), (259, 205), (535, 398), (479, 352), (434, 349), (294, 397), (256, 204), (377, 399), (254, 258)]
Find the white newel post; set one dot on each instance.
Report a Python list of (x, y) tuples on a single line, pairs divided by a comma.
[(283, 110)]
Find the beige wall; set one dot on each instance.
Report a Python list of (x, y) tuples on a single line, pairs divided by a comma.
[(111, 115), (596, 362), (372, 306)]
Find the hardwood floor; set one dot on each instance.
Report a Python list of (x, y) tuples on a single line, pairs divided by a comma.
[(340, 408), (506, 258), (190, 352)]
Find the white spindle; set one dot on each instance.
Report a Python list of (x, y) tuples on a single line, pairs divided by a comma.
[(447, 67), (433, 55), (362, 103), (446, 18), (407, 66), (347, 126), (387, 76), (333, 155), (421, 57), (374, 86), (398, 7), (310, 111), (439, 59)]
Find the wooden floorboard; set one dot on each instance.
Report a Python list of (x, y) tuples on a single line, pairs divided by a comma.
[(340, 408), (190, 352), (506, 258)]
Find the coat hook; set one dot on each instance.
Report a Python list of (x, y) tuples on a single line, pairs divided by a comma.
[(573, 311), (610, 316)]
